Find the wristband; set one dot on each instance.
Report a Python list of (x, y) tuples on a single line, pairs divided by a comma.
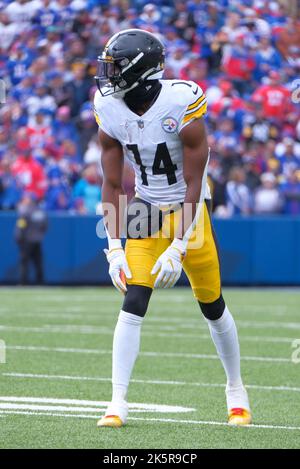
[(114, 244), (179, 244)]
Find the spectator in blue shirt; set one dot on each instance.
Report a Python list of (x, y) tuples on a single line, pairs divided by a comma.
[(18, 64), (87, 190), (226, 134), (267, 58), (10, 189), (46, 16), (237, 193), (289, 163), (151, 16), (24, 89), (79, 87), (63, 127), (290, 190), (4, 142)]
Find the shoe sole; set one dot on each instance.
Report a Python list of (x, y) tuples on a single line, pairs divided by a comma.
[(112, 421)]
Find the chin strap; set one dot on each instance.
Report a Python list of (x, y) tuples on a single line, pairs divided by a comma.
[(143, 93)]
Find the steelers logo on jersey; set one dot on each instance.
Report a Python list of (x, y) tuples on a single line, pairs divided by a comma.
[(169, 125)]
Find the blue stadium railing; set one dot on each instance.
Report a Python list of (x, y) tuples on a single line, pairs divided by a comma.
[(254, 250)]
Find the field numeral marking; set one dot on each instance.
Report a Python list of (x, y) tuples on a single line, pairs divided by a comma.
[(296, 353)]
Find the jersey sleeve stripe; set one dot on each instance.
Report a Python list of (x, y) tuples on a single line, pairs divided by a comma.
[(204, 101), (195, 103), (196, 114), (97, 117)]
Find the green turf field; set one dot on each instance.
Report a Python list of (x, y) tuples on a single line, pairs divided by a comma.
[(58, 364)]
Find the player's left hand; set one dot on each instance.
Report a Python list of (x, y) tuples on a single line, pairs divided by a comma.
[(169, 266)]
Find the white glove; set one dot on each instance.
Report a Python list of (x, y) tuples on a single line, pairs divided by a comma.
[(170, 265), (118, 267)]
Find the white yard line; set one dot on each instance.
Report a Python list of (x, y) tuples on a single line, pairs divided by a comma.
[(59, 328), (76, 409), (52, 298), (46, 408), (184, 322), (32, 348), (72, 405), (241, 323), (142, 381), (154, 420), (97, 330), (99, 316), (175, 310), (155, 304), (203, 422)]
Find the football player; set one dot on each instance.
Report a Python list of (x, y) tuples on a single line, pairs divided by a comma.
[(158, 126)]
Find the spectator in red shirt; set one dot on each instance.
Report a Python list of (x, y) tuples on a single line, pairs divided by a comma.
[(274, 97), (38, 128), (195, 70), (228, 99), (29, 172), (238, 64), (289, 37)]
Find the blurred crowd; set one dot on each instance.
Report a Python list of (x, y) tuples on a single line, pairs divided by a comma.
[(244, 54)]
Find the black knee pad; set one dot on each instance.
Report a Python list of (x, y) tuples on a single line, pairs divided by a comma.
[(136, 300), (213, 311)]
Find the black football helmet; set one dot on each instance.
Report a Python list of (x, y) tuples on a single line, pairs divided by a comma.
[(129, 59)]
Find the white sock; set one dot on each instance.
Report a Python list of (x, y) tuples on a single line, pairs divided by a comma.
[(126, 347), (224, 335)]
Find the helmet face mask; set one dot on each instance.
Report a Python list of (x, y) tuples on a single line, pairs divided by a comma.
[(109, 78), (129, 58)]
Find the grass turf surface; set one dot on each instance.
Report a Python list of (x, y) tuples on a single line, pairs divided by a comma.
[(59, 347)]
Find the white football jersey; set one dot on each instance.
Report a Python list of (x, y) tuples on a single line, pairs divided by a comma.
[(151, 142)]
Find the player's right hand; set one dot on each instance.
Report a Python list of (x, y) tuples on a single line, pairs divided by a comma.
[(118, 266)]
